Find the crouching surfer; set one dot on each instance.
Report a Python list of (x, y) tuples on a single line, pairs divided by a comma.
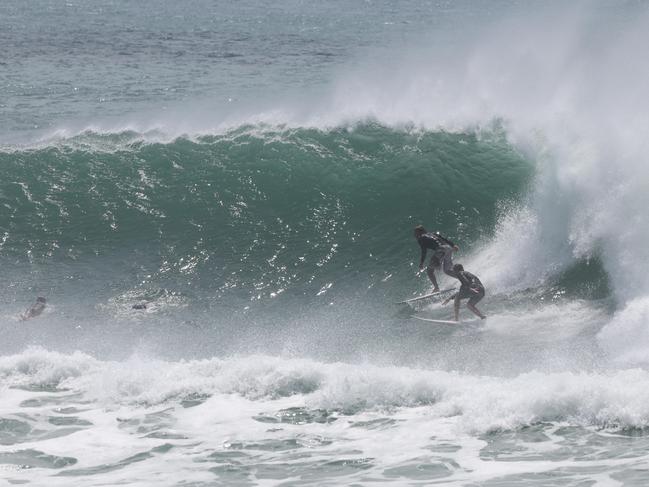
[(470, 288)]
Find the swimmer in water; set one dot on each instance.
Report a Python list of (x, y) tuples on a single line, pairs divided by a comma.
[(35, 309)]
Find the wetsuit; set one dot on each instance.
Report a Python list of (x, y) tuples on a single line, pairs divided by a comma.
[(471, 287), (442, 251)]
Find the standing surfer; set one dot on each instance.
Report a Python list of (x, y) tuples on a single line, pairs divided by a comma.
[(442, 257)]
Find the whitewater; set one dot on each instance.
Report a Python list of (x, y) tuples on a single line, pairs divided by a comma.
[(217, 201)]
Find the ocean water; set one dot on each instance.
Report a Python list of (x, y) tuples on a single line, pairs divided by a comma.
[(251, 172)]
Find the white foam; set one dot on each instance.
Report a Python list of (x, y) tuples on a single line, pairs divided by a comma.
[(394, 416), (614, 398), (547, 321), (626, 338)]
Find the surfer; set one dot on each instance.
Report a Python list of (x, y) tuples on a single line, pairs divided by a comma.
[(471, 288), (442, 257), (35, 309)]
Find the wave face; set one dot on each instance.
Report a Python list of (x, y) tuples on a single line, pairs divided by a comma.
[(255, 219), (239, 196)]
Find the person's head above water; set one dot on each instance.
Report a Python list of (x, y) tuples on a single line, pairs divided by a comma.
[(458, 268), (40, 299), (419, 231)]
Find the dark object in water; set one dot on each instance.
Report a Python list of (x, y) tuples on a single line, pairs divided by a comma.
[(139, 306), (35, 309)]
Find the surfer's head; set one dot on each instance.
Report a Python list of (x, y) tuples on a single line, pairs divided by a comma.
[(419, 231), (40, 299), (458, 268)]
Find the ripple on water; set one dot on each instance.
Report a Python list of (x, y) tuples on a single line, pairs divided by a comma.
[(195, 399), (422, 469), (45, 387), (149, 424), (68, 421), (280, 444), (374, 424), (110, 467), (297, 415), (592, 453), (50, 400), (545, 442), (35, 459), (245, 470), (13, 431)]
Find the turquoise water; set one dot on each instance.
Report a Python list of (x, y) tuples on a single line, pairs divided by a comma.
[(249, 176)]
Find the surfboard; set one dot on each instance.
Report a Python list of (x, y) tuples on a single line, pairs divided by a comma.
[(425, 296), (445, 322)]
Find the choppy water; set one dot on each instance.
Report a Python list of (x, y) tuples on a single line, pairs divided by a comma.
[(251, 174)]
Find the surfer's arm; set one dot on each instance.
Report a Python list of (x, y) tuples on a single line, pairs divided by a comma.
[(464, 281), (473, 283), (423, 257)]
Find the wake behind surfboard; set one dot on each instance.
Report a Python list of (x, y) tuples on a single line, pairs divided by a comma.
[(446, 322), (426, 296)]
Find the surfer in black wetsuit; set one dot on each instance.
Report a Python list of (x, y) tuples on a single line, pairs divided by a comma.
[(471, 288), (442, 257)]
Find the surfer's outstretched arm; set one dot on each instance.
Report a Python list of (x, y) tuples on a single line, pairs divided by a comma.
[(423, 258)]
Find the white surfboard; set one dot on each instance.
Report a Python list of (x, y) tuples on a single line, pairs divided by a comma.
[(426, 296), (445, 322)]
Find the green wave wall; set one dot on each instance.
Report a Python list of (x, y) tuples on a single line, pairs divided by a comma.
[(256, 212)]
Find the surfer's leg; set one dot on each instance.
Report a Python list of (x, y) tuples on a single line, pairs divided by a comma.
[(430, 270), (447, 260), (456, 306), (473, 301), (475, 310)]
